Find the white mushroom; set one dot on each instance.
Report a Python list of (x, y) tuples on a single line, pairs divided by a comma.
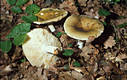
[(39, 46)]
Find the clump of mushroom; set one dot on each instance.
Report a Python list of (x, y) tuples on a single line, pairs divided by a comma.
[(39, 46), (81, 27)]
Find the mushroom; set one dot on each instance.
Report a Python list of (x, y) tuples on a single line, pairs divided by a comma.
[(39, 46), (81, 27), (49, 15)]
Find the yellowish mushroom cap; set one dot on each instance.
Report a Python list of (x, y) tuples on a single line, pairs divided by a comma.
[(48, 15), (81, 27)]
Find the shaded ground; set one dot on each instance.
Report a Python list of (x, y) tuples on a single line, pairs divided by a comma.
[(103, 59)]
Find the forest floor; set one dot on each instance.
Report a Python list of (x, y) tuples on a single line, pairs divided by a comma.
[(105, 58)]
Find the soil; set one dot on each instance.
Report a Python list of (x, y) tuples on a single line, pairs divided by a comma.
[(105, 58)]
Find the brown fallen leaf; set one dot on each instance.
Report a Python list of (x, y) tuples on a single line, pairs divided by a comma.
[(64, 40), (75, 74), (5, 70), (110, 42), (45, 77), (4, 2), (30, 2), (89, 49), (93, 13), (109, 56), (65, 76), (120, 57), (90, 39), (70, 6), (119, 77), (120, 21), (101, 78), (82, 2)]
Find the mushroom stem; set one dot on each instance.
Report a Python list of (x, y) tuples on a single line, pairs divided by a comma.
[(80, 44), (51, 27)]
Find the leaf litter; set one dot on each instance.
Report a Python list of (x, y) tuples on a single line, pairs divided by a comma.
[(97, 62)]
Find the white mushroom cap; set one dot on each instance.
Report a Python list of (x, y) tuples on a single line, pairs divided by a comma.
[(48, 15), (81, 27), (39, 46)]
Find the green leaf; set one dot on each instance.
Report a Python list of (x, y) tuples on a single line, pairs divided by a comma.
[(76, 64), (16, 9), (68, 52), (122, 17), (115, 1), (21, 2), (22, 60), (18, 40), (5, 46), (104, 23), (112, 1), (122, 25), (59, 34), (19, 29), (11, 2), (66, 67), (70, 45), (29, 19), (32, 9), (103, 12)]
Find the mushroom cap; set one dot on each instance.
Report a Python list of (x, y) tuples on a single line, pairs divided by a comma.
[(81, 27), (39, 46), (48, 15)]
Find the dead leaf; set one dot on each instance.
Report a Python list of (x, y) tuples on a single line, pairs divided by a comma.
[(120, 57), (90, 39), (110, 42), (120, 21), (4, 2), (64, 40), (65, 76), (101, 78), (76, 75), (30, 2), (123, 67), (89, 49), (82, 2), (69, 5), (5, 70), (119, 77), (107, 67), (16, 54), (92, 68), (109, 56)]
